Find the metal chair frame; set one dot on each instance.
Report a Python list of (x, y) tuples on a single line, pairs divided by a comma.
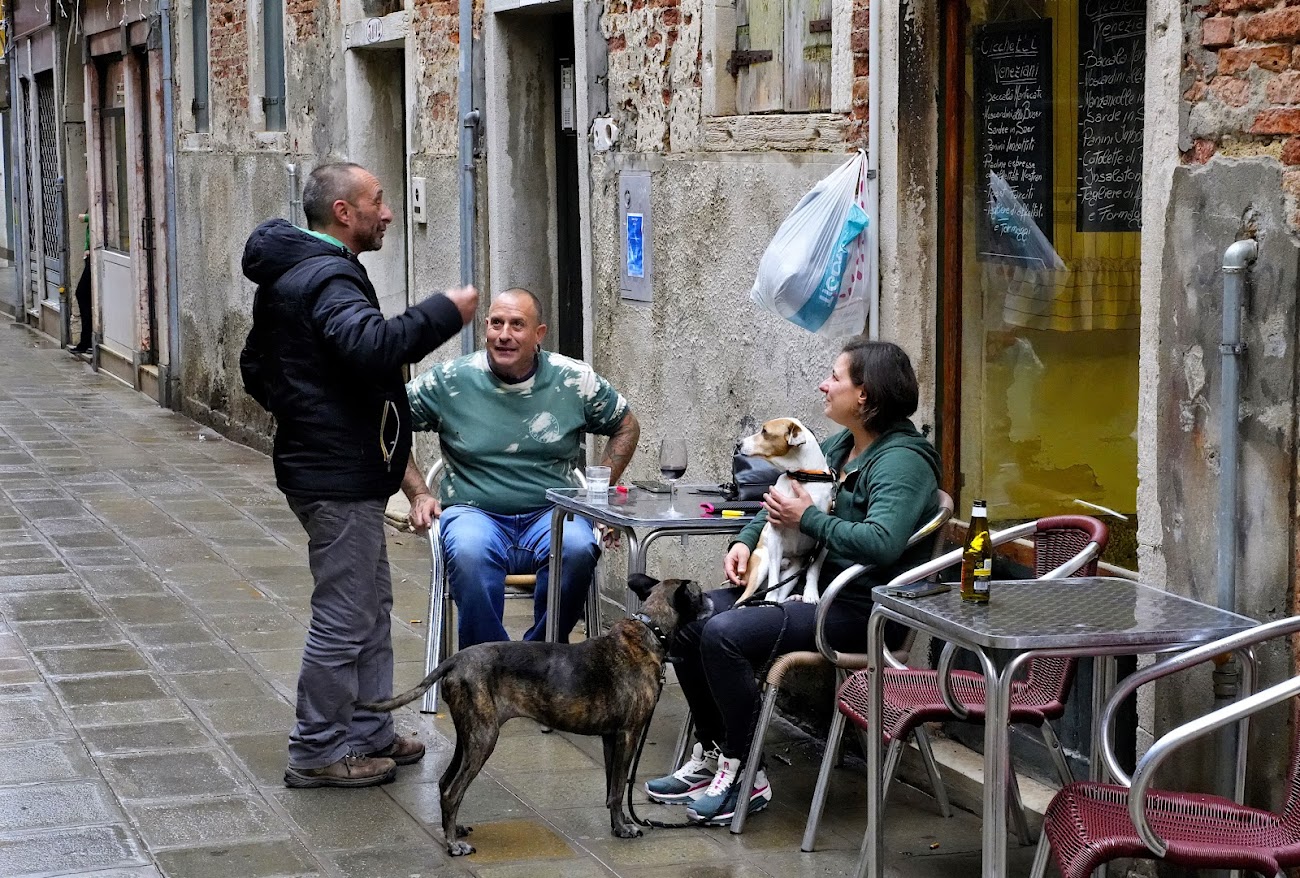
[(775, 674), (1188, 829), (1083, 562), (441, 639)]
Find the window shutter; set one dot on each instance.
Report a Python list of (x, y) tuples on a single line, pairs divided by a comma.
[(759, 28), (808, 55)]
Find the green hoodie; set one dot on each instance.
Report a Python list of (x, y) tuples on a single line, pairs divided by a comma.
[(887, 493)]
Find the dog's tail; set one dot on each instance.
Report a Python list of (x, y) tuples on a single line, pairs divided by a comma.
[(410, 694)]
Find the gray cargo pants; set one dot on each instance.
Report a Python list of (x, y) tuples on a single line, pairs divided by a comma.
[(348, 656)]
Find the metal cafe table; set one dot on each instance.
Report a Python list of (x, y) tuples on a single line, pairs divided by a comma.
[(1080, 617), (641, 516)]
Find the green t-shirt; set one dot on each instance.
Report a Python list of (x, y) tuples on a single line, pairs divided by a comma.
[(505, 444)]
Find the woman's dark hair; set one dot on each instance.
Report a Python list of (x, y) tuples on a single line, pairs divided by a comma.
[(882, 369)]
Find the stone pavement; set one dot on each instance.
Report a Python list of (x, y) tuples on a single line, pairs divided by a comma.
[(153, 602)]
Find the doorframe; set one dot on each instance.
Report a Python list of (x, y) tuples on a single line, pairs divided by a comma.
[(952, 119), (145, 196)]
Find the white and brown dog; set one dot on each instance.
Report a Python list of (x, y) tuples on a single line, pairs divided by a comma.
[(790, 446)]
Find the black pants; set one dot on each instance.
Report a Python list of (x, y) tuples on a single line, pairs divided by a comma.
[(83, 304), (718, 659)]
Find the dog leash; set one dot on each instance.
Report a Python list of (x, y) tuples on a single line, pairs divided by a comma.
[(663, 675)]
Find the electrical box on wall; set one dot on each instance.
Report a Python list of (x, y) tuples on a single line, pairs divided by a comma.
[(417, 200), (568, 93), (635, 234)]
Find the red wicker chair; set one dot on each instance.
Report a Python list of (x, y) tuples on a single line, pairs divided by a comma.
[(1064, 545), (1088, 824)]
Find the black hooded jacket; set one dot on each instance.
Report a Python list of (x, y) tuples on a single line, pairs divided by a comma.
[(322, 358)]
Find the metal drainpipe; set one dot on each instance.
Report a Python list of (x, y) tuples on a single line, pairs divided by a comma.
[(172, 391), (294, 200), (469, 123), (65, 307), (1237, 260)]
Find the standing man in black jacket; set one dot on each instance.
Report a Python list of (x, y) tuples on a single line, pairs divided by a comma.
[(323, 359)]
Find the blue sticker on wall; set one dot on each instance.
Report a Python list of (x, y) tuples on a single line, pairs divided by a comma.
[(635, 246)]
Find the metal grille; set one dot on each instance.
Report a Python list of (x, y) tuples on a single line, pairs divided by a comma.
[(51, 225), (28, 116)]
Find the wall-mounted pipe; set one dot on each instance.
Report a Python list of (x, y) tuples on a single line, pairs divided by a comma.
[(171, 392), (469, 120), (1237, 260), (294, 198)]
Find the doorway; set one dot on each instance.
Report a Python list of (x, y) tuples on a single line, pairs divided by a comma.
[(377, 139), (45, 219), (534, 205), (128, 204), (568, 245)]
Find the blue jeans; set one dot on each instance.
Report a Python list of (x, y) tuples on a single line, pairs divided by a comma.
[(482, 548)]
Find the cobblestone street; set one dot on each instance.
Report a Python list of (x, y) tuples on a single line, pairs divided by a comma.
[(153, 602)]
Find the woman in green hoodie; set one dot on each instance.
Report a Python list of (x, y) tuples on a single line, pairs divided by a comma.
[(887, 474)]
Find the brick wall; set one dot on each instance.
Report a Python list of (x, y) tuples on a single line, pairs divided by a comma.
[(1241, 80), (306, 19), (436, 24), (655, 57), (228, 56), (654, 72)]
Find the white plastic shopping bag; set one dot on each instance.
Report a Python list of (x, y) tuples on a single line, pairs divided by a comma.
[(816, 271)]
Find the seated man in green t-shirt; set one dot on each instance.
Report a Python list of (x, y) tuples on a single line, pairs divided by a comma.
[(508, 420)]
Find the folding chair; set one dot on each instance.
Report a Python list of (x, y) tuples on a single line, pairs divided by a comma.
[(441, 640), (775, 674)]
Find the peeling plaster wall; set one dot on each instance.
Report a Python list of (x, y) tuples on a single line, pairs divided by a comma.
[(1210, 207), (234, 177), (701, 359)]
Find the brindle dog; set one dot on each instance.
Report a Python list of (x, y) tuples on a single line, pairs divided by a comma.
[(605, 686)]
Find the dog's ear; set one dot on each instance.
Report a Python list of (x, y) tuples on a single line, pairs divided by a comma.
[(641, 584), (795, 434)]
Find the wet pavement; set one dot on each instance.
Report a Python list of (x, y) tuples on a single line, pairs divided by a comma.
[(153, 603)]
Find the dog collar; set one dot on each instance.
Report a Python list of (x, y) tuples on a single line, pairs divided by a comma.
[(804, 475), (654, 628)]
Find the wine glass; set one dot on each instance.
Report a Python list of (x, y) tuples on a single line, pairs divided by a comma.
[(672, 466)]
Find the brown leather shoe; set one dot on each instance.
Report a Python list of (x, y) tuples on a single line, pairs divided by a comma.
[(350, 771), (403, 751)]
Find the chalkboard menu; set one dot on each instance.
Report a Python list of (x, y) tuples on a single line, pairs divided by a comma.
[(1013, 139), (1112, 61)]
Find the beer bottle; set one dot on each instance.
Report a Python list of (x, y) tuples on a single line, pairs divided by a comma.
[(977, 558)]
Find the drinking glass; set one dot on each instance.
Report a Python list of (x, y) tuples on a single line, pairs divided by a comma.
[(672, 466)]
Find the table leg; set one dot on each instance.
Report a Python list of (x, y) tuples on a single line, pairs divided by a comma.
[(1104, 672), (636, 550), (871, 861), (997, 697), (558, 516)]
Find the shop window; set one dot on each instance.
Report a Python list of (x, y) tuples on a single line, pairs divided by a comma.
[(113, 137), (1050, 260), (782, 56), (199, 106), (273, 64)]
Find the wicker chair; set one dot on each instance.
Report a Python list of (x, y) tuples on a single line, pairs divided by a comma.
[(1064, 546), (1088, 824)]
